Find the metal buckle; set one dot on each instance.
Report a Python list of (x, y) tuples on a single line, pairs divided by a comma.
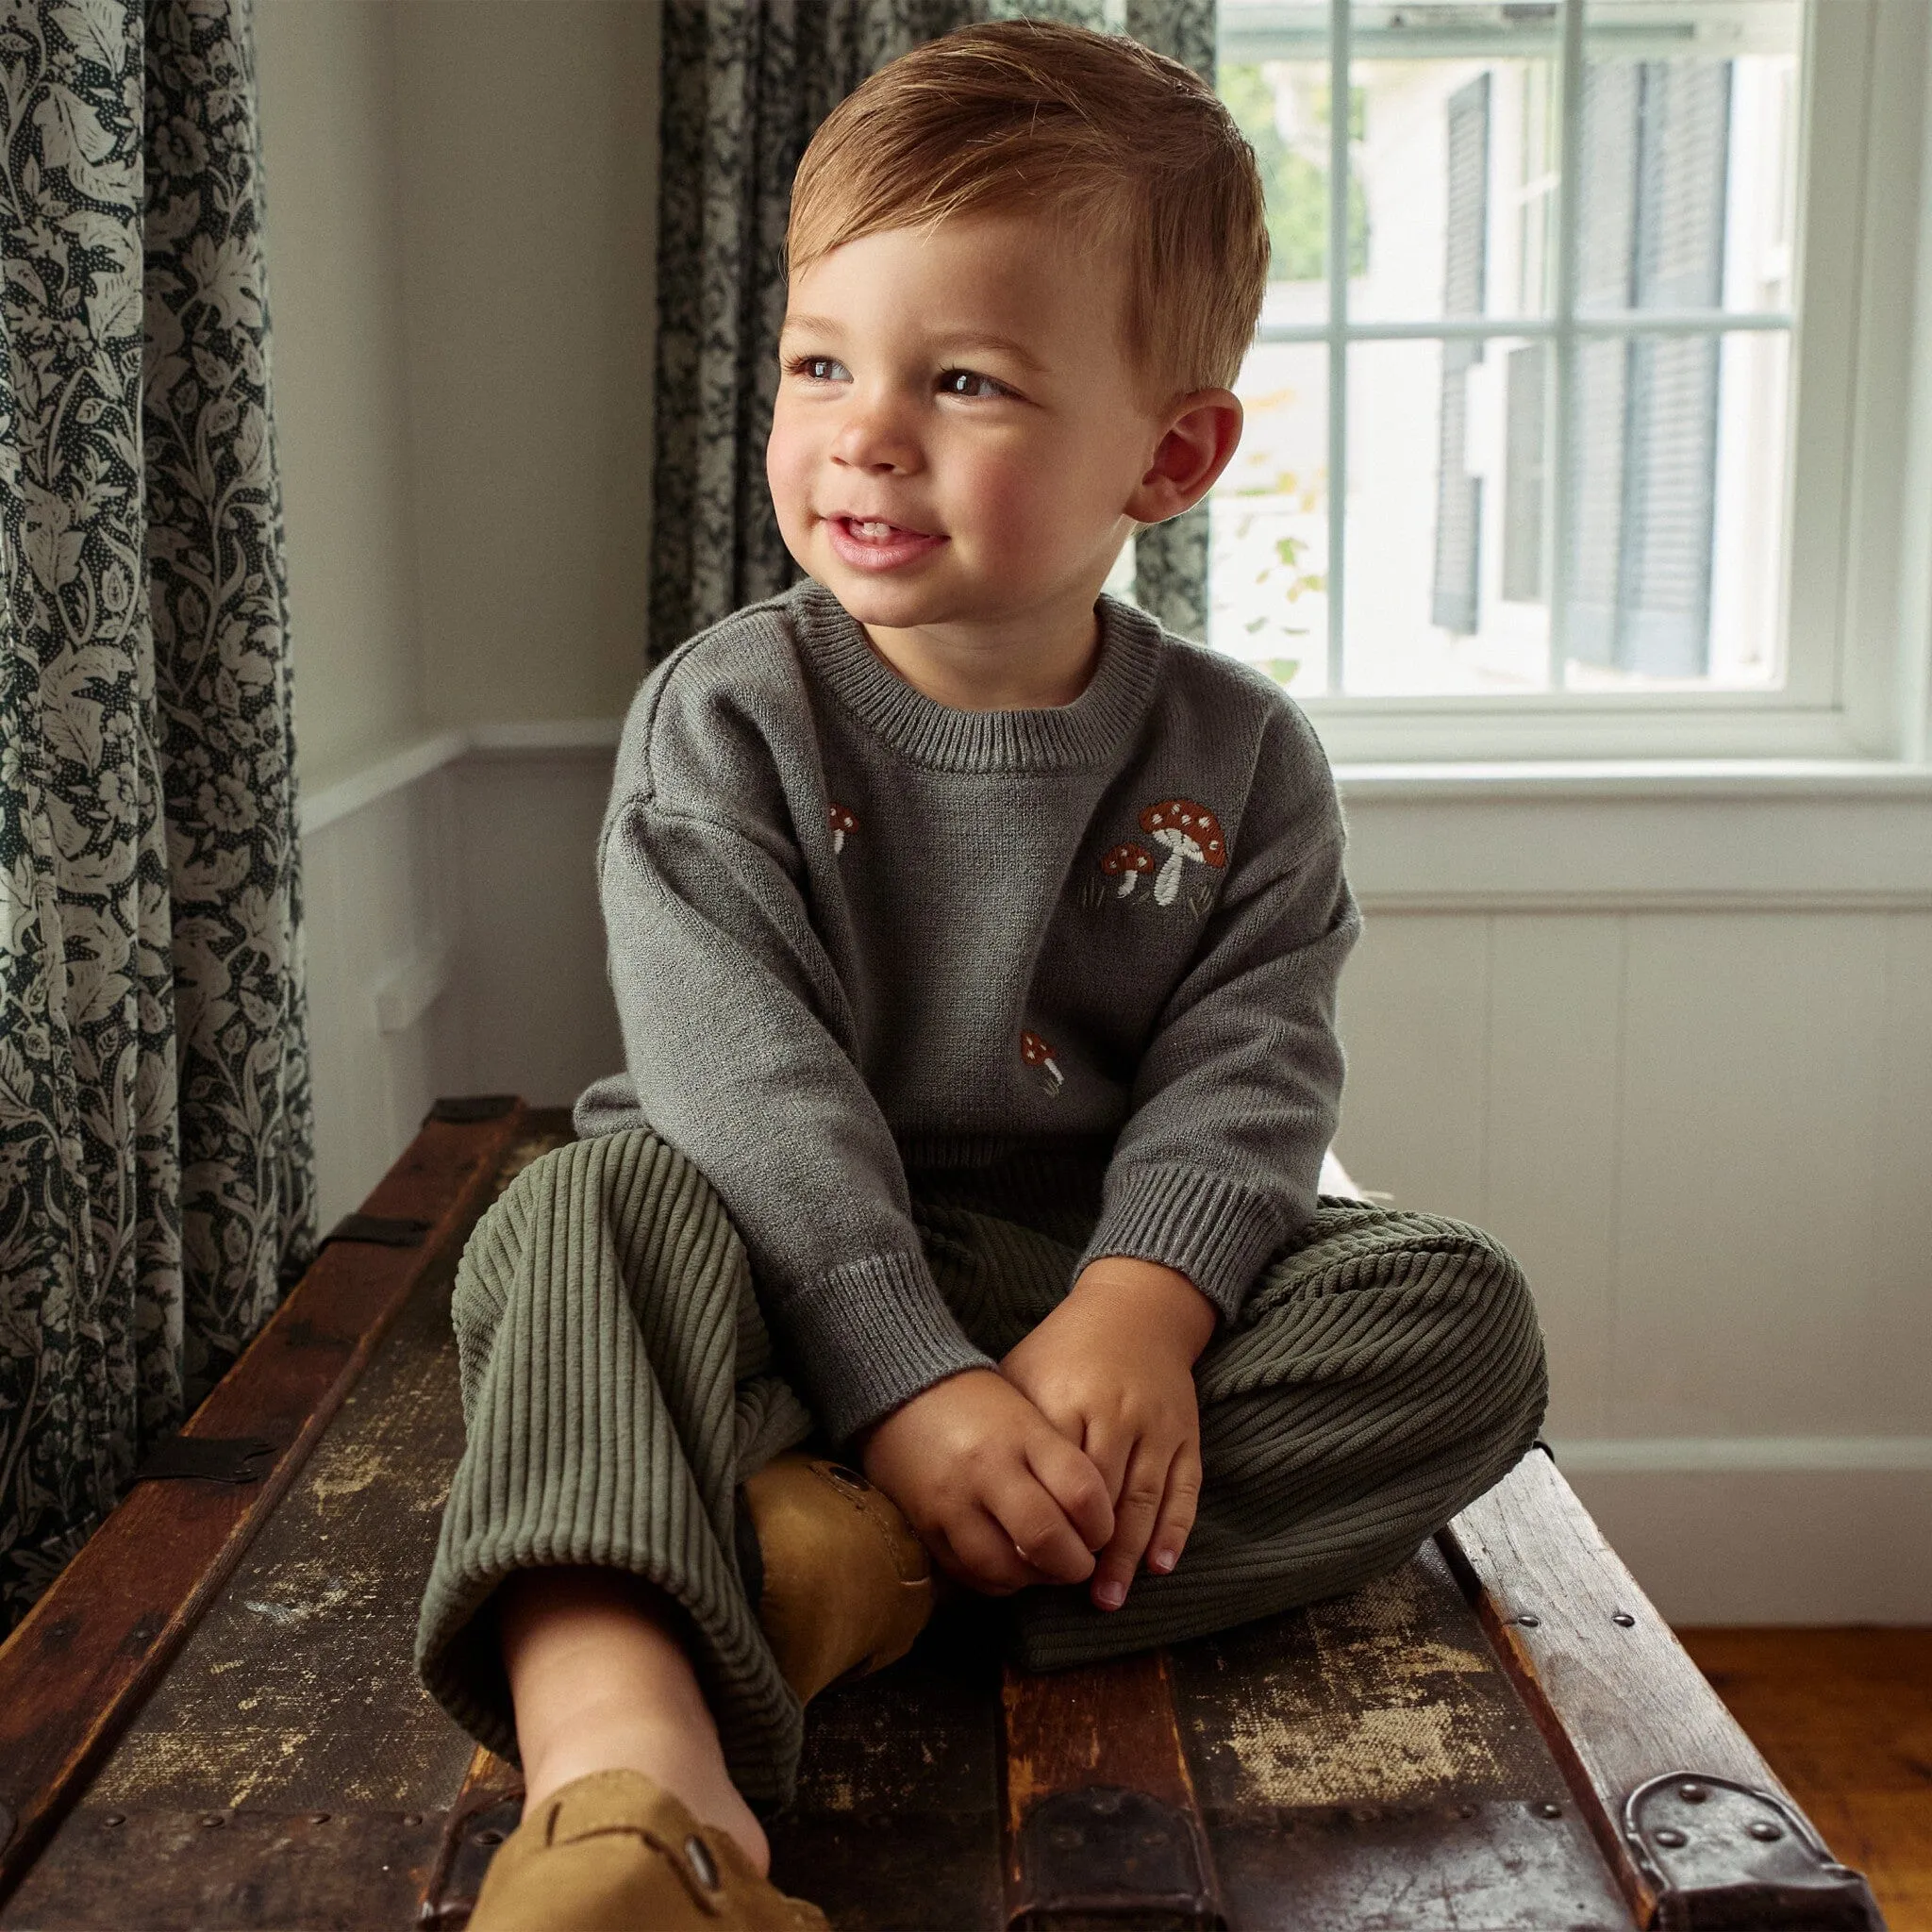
[(205, 1459), (1723, 1853), (387, 1231)]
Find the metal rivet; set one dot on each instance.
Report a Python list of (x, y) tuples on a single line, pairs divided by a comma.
[(1762, 1828), (1693, 1794), (1669, 1835), (1362, 1815), (318, 1818), (698, 1854), (1528, 1621), (210, 1819), (489, 1837), (114, 1817), (408, 1818), (1622, 1619), (1549, 1810)]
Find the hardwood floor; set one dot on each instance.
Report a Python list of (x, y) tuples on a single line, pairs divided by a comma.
[(1845, 1718)]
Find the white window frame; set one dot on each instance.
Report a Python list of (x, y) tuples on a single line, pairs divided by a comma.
[(1857, 597)]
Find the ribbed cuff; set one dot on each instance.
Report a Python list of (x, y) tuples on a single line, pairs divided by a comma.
[(1217, 1232), (872, 1335)]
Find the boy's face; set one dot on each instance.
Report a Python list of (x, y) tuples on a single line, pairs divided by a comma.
[(958, 433)]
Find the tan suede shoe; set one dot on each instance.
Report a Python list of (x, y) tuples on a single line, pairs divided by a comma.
[(615, 1852), (846, 1584)]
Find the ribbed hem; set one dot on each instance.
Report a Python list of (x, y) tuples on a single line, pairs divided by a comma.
[(1217, 1232), (871, 1336), (1088, 731)]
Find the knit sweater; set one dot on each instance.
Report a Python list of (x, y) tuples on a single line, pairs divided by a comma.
[(853, 930)]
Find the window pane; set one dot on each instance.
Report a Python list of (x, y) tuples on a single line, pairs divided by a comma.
[(1689, 156), (1282, 108), (1677, 481), (1269, 521), (1447, 558), (1458, 164)]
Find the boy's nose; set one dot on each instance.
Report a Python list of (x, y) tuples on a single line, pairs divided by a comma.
[(875, 436)]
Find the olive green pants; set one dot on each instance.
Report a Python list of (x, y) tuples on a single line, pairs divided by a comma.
[(619, 1381)]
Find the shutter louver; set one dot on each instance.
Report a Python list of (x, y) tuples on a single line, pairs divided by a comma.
[(1644, 439), (1459, 496)]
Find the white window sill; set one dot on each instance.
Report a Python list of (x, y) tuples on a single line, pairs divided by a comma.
[(1626, 778), (1640, 835)]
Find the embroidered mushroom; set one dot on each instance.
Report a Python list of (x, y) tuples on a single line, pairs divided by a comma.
[(1188, 832), (1038, 1055), (1127, 862), (841, 821)]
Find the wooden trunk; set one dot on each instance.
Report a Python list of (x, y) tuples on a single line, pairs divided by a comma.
[(211, 1720)]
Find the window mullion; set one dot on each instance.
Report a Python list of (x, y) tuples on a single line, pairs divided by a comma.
[(1340, 32), (1557, 492)]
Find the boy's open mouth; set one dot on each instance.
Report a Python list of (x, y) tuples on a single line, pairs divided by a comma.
[(873, 543)]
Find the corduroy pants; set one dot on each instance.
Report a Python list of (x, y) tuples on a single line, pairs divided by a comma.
[(619, 1381)]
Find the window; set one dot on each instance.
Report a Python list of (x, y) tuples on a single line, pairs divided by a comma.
[(1524, 467)]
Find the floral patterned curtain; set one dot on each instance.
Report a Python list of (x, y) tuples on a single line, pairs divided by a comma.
[(155, 1136), (744, 84)]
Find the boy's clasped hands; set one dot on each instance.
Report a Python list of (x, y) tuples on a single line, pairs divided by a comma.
[(1080, 1457)]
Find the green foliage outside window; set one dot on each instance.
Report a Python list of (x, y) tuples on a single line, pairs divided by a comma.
[(1295, 181)]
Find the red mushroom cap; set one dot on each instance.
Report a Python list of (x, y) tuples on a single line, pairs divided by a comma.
[(1196, 820), (841, 820), (1128, 857), (1034, 1050)]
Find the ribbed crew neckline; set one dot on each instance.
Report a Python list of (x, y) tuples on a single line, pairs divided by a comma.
[(1086, 732)]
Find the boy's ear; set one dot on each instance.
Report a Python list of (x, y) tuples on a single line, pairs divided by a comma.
[(1202, 436)]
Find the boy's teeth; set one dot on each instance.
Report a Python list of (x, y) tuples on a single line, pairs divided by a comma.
[(880, 530)]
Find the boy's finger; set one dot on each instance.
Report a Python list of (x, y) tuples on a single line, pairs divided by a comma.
[(1077, 1485), (984, 1558), (1133, 1518), (1041, 1531), (1177, 1509)]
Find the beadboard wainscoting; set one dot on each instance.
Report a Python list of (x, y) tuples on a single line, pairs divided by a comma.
[(1668, 1035)]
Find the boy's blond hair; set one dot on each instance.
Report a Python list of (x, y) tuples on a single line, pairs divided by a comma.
[(1120, 143)]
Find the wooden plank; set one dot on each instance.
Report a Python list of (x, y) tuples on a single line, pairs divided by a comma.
[(1366, 1762), (1100, 1809), (1616, 1698), (92, 1648), (897, 1825)]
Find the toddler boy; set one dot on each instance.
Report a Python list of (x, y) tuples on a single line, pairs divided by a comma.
[(975, 945)]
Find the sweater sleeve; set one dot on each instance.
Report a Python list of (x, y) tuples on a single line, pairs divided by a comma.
[(1236, 1097), (732, 1015)]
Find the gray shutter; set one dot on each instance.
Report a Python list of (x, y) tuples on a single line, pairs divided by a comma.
[(1671, 472), (1644, 443), (1460, 495)]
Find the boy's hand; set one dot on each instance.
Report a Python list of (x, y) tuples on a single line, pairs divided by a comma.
[(999, 1495), (1112, 1369)]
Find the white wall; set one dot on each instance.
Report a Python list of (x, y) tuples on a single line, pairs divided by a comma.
[(340, 376), (1673, 1043)]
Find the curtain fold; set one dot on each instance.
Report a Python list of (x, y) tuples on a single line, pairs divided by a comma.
[(744, 84), (156, 1174)]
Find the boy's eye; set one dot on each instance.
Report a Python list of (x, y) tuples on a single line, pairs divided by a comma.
[(820, 369), (967, 382)]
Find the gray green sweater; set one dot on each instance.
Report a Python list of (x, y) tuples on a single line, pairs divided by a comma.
[(853, 930)]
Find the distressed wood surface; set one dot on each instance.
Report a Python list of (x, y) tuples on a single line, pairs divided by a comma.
[(95, 1644), (1366, 1763), (1614, 1692), (896, 1825), (1104, 1728)]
